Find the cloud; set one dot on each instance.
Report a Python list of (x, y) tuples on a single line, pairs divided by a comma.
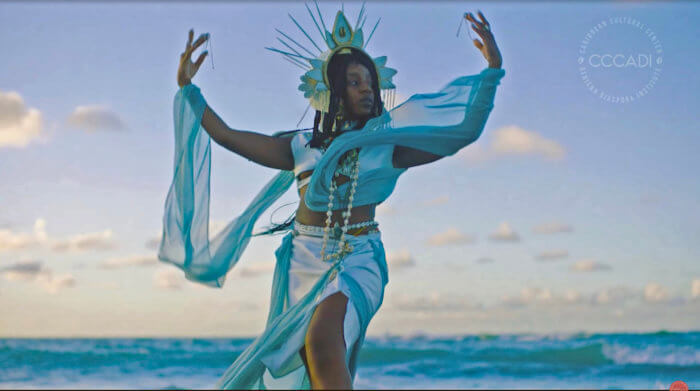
[(543, 296), (513, 140), (215, 226), (257, 269), (651, 294), (19, 125), (551, 255), (532, 294), (695, 289), (132, 260), (433, 303), (552, 228), (95, 118), (654, 293), (613, 295), (451, 236), (34, 271), (40, 229), (572, 296), (20, 241), (610, 297), (528, 295), (153, 243), (504, 233), (384, 209), (12, 241), (587, 265), (401, 259), (23, 271), (485, 260), (87, 241), (54, 284), (441, 200), (169, 278)]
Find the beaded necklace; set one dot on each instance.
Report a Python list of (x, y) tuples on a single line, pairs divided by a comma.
[(350, 166)]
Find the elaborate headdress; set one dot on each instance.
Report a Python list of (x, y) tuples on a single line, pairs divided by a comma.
[(343, 39)]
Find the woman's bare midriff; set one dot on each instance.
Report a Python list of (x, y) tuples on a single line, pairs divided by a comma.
[(307, 216)]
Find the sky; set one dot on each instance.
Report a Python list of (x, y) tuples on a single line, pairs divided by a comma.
[(571, 213)]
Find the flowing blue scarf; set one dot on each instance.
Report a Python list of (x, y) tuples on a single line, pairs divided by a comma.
[(441, 123)]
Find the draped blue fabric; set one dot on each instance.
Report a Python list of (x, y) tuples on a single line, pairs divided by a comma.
[(441, 123)]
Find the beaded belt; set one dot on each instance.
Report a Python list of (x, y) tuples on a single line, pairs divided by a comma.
[(336, 231)]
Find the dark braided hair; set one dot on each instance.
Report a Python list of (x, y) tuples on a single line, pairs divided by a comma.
[(333, 120)]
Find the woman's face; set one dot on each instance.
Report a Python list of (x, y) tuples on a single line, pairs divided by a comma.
[(359, 93)]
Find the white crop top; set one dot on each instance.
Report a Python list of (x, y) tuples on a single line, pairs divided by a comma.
[(305, 157)]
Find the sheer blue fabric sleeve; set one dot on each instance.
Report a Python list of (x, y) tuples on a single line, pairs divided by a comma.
[(441, 123), (185, 240), (446, 121)]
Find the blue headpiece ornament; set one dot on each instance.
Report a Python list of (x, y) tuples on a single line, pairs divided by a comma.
[(315, 83)]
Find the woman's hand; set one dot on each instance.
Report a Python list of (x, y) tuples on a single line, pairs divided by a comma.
[(187, 69), (488, 48)]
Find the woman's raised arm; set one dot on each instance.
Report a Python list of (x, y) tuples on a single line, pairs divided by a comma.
[(269, 151), (274, 152), (405, 157)]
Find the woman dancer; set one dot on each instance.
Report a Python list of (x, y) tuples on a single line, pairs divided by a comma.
[(331, 272)]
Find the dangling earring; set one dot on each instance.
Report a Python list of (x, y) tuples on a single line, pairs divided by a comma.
[(340, 118), (341, 111)]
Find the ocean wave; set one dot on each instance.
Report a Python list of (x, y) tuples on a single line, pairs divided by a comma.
[(666, 355), (468, 356), (572, 349)]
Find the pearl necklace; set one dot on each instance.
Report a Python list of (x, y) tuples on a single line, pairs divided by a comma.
[(351, 160), (344, 246)]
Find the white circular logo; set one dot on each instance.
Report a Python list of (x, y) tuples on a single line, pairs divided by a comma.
[(620, 59)]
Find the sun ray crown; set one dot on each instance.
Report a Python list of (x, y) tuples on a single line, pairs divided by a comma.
[(314, 83)]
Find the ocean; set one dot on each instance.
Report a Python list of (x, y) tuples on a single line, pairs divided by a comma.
[(600, 361)]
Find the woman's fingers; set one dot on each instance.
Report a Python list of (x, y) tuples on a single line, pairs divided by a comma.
[(479, 26), (202, 38), (189, 47), (471, 18), (482, 33), (189, 40), (199, 61), (483, 19), (487, 44), (468, 16)]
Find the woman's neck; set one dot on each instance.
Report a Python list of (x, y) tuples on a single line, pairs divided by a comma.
[(350, 125), (353, 125)]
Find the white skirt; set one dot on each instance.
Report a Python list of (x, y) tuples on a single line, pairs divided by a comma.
[(306, 268)]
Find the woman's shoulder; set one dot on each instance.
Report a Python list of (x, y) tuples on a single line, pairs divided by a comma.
[(305, 157)]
